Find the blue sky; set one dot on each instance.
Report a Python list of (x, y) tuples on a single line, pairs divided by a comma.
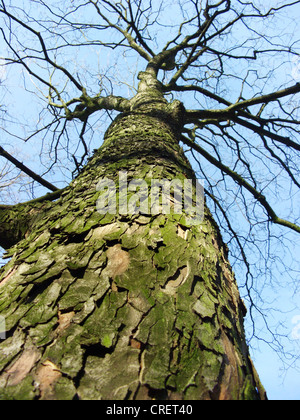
[(281, 377)]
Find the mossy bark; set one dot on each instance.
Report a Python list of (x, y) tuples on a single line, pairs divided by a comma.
[(123, 306)]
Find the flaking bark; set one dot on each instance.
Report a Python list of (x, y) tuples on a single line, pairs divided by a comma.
[(123, 306)]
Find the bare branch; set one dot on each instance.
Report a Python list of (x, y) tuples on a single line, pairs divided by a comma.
[(27, 171), (145, 52), (89, 105), (43, 46), (243, 183)]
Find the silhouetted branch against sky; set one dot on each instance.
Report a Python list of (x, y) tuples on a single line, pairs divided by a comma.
[(68, 68)]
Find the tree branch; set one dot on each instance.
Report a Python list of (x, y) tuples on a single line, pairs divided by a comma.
[(43, 46), (264, 99), (146, 55), (232, 108), (27, 171), (243, 183), (234, 112), (262, 132), (90, 105)]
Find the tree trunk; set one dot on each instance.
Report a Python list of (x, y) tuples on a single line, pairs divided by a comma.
[(122, 306)]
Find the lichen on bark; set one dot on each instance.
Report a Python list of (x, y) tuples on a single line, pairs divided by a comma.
[(120, 306)]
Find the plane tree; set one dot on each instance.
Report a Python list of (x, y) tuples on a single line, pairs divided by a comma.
[(142, 303)]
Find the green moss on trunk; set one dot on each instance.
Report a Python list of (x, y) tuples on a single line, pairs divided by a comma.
[(124, 306)]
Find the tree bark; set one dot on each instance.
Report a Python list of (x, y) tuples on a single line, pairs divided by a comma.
[(119, 306)]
